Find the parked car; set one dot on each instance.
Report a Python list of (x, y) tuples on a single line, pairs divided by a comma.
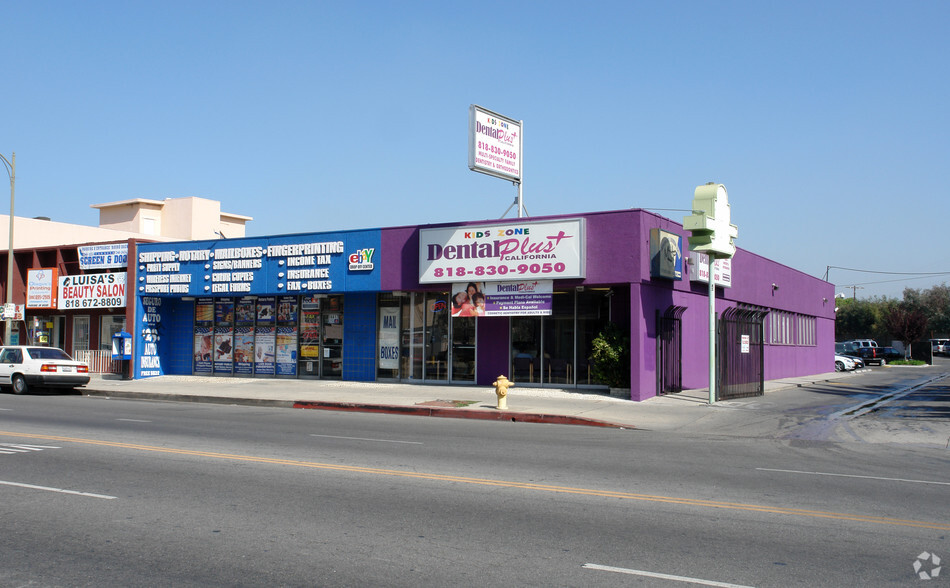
[(841, 349), (891, 354), (24, 366), (857, 343), (844, 363), (870, 355), (940, 346)]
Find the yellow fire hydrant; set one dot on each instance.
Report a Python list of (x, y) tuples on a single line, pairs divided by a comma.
[(501, 389)]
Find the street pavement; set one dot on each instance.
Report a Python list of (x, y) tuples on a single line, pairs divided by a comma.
[(791, 408)]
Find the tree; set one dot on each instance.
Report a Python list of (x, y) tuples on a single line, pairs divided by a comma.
[(906, 322)]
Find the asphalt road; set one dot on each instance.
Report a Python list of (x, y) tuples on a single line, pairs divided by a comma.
[(99, 492)]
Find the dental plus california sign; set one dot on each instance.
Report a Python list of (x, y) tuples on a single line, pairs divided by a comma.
[(510, 251), (494, 144)]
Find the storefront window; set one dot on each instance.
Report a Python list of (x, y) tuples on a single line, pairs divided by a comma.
[(437, 336), (558, 358), (593, 314), (526, 349), (109, 326), (388, 337)]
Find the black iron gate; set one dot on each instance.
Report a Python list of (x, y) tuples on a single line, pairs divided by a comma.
[(669, 351), (741, 354)]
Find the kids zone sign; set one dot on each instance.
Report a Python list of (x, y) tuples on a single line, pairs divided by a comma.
[(496, 252)]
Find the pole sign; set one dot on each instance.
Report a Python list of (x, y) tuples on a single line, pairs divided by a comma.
[(494, 144), (699, 269)]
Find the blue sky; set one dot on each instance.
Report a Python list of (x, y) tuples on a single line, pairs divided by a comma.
[(826, 121)]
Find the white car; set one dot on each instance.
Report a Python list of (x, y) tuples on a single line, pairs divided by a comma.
[(23, 366), (844, 363)]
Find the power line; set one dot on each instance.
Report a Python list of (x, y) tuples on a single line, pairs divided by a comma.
[(849, 269)]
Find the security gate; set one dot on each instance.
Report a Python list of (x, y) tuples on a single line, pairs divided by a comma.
[(669, 351), (741, 354)]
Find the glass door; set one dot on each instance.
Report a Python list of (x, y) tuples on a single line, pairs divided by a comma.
[(333, 338), (526, 349), (463, 349), (558, 356), (310, 337), (80, 334)]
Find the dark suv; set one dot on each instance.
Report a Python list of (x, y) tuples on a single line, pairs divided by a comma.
[(870, 355)]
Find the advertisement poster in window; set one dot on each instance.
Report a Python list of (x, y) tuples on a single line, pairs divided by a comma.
[(310, 328), (244, 311), (224, 311), (223, 349), (389, 337), (265, 309), (204, 310), (287, 310), (264, 350), (244, 350), (204, 346), (286, 351), (527, 298)]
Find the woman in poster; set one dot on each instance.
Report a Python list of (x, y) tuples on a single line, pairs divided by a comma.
[(465, 303), (461, 304)]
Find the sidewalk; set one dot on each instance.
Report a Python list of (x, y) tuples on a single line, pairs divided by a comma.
[(537, 405)]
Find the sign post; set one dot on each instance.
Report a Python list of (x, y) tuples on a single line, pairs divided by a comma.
[(712, 234), (495, 148)]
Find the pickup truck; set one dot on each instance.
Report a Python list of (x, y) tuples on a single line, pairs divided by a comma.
[(869, 354)]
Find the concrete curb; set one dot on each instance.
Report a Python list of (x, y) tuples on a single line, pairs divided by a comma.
[(460, 413), (439, 412), (159, 397)]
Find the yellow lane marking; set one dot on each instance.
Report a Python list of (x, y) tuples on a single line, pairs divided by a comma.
[(499, 483)]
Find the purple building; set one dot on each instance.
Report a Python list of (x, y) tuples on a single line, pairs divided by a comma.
[(622, 280)]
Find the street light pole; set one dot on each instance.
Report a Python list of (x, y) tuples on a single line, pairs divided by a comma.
[(11, 171)]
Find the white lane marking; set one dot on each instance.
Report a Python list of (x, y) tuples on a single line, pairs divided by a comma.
[(60, 490), (11, 448), (364, 439), (854, 476), (133, 420), (591, 566)]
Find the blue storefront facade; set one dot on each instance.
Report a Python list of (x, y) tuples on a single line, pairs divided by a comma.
[(284, 306)]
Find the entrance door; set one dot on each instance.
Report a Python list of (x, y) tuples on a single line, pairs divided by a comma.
[(80, 334), (463, 349), (669, 351), (333, 338)]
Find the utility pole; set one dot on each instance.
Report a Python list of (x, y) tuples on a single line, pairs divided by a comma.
[(11, 171)]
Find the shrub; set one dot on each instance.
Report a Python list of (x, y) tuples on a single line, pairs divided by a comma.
[(610, 357)]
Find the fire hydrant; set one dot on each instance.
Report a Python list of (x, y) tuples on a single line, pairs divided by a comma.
[(501, 389)]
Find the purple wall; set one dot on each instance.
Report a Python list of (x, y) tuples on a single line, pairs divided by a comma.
[(618, 253)]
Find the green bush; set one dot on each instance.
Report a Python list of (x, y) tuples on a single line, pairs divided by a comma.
[(907, 362), (610, 357)]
